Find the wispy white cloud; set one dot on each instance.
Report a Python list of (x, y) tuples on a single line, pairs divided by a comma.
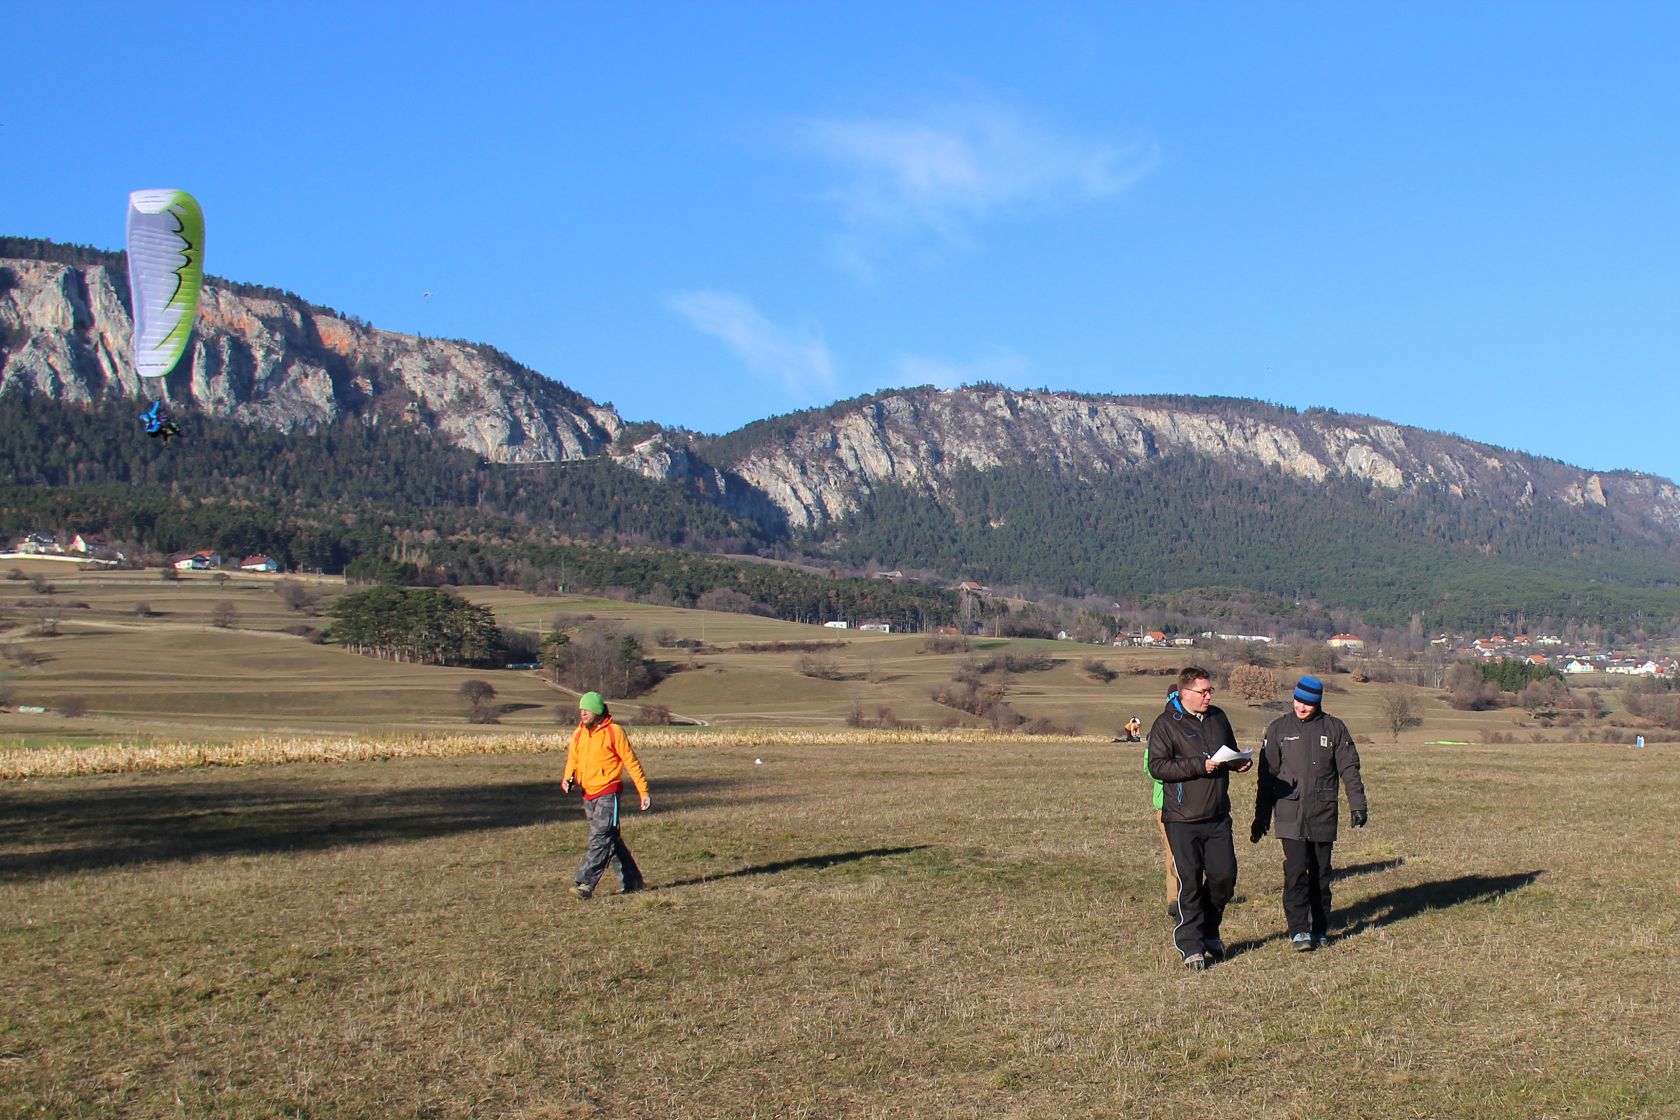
[(952, 165), (1004, 368), (795, 358)]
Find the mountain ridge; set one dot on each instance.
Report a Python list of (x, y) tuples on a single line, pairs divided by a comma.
[(879, 468)]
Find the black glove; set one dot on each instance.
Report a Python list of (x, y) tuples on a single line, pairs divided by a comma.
[(1255, 832), (1359, 817)]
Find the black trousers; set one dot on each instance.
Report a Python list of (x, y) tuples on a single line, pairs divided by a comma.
[(606, 846), (1306, 886), (1207, 878)]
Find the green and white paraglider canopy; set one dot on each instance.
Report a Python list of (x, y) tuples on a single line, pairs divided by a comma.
[(165, 273)]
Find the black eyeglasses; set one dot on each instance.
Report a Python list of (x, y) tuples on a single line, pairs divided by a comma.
[(1203, 691)]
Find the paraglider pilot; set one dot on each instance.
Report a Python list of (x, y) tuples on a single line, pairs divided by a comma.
[(158, 422)]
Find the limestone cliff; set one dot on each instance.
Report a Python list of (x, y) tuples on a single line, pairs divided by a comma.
[(272, 359), (916, 437)]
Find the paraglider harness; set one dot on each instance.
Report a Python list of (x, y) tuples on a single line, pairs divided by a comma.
[(159, 424)]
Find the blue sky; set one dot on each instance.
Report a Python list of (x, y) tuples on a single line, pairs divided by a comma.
[(1462, 216)]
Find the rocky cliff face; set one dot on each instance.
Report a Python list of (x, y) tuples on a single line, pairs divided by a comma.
[(917, 437), (276, 361), (272, 359)]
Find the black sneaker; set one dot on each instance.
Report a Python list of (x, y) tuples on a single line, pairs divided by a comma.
[(632, 888), (1215, 950), (1172, 910)]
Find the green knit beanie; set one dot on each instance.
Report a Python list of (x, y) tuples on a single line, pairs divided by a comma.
[(592, 702)]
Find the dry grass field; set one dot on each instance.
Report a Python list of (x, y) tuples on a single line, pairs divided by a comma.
[(854, 929), (259, 877), (149, 663), (148, 660)]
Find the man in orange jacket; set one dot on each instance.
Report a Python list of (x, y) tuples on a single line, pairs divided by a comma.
[(596, 759)]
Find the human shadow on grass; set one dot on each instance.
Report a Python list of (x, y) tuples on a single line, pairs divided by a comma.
[(98, 827), (1408, 902), (1352, 870), (804, 863)]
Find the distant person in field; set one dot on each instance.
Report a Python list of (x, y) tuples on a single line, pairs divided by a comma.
[(1302, 759), (1134, 730), (1196, 810), (597, 758)]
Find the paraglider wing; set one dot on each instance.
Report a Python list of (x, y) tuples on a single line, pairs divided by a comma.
[(165, 272)]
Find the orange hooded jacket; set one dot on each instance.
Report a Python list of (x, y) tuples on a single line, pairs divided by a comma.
[(598, 756)]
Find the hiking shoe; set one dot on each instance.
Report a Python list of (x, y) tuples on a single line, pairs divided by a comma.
[(580, 892), (1195, 962), (1215, 950), (1172, 910), (1303, 942), (632, 888), (1321, 940)]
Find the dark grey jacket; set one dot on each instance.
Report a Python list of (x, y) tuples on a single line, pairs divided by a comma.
[(1179, 747), (1301, 762)]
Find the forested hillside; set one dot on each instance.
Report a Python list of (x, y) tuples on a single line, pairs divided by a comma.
[(389, 502), (1187, 524)]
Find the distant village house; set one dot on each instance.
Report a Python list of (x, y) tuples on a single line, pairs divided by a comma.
[(204, 560)]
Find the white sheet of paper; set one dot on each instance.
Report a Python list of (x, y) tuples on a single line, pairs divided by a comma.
[(1226, 754)]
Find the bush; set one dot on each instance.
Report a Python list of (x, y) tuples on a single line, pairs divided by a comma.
[(945, 643), (484, 713), (819, 667), (1097, 669), (143, 610), (71, 706), (659, 715), (224, 615), (295, 595)]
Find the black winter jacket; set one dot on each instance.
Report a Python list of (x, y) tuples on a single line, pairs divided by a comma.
[(1179, 747), (1301, 762)]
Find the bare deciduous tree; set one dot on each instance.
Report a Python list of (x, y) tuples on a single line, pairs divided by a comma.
[(1255, 683), (1401, 709)]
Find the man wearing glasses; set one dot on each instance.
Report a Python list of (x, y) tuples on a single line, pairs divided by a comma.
[(1197, 811)]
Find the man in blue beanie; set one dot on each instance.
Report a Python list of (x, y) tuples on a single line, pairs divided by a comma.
[(1303, 757)]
